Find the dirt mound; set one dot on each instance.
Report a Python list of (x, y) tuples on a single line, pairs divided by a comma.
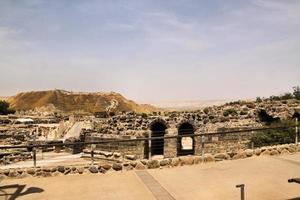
[(76, 101)]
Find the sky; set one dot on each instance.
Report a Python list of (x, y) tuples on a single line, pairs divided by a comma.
[(151, 50)]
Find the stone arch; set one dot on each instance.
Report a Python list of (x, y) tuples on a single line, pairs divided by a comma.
[(156, 121), (158, 129), (186, 145), (183, 121)]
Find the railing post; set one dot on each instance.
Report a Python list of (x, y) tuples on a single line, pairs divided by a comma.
[(4, 160), (149, 146), (252, 144), (202, 148), (34, 148), (34, 156), (296, 131), (93, 147), (242, 186)]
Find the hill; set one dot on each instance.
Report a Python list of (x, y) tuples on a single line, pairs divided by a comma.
[(75, 101)]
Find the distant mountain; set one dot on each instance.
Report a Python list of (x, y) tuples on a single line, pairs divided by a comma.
[(189, 105), (3, 98), (75, 101)]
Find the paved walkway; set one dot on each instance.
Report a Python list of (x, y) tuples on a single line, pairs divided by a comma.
[(264, 178), (49, 159), (153, 185)]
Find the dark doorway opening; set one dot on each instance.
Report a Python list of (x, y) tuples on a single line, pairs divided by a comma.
[(185, 145), (158, 129)]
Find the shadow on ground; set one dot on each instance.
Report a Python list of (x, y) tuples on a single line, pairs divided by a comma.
[(12, 192)]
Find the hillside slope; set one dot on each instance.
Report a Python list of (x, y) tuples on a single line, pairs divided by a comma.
[(75, 101)]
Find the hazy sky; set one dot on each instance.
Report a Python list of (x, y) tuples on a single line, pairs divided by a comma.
[(151, 50)]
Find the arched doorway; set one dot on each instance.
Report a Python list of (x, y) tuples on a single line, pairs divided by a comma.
[(185, 145), (158, 129)]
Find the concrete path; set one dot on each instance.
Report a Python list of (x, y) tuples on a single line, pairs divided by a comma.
[(49, 159), (265, 178)]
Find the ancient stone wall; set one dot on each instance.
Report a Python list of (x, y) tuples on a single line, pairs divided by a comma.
[(209, 119), (231, 116), (137, 164)]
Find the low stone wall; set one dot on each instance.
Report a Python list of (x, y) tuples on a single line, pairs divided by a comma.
[(213, 144), (13, 157), (147, 164), (107, 155), (227, 142)]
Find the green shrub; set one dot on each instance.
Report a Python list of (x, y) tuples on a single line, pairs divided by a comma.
[(4, 108), (144, 115), (296, 92), (286, 96), (229, 111), (275, 136)]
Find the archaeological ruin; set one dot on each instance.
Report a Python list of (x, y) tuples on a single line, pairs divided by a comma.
[(130, 140)]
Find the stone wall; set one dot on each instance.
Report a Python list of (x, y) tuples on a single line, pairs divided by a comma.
[(210, 119), (232, 116), (141, 164), (211, 143), (14, 156)]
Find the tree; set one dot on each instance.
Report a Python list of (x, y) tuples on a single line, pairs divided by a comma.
[(258, 100), (4, 108), (296, 92), (287, 96)]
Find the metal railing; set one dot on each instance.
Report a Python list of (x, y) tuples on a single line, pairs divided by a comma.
[(151, 138), (155, 145)]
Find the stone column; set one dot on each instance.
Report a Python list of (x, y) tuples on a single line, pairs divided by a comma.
[(170, 145), (198, 145)]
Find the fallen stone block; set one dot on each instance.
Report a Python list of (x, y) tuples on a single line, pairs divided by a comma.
[(117, 166), (152, 164), (93, 169)]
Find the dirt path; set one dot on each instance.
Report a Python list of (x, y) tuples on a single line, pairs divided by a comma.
[(264, 178)]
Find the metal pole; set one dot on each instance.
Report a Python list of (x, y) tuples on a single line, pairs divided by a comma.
[(34, 148), (149, 145), (252, 144), (296, 131), (202, 148), (4, 160), (92, 156), (242, 186), (93, 147), (34, 156)]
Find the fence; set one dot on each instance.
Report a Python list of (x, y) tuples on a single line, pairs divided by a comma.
[(164, 146)]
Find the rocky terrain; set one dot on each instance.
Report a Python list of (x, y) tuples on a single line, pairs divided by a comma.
[(215, 118)]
